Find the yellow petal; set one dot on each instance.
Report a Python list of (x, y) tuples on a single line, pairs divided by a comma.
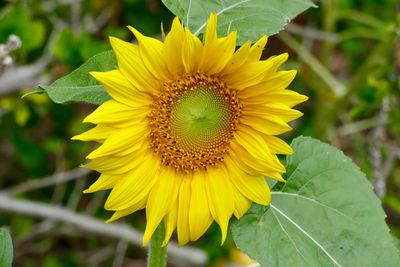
[(113, 165), (252, 74), (173, 48), (151, 52), (238, 58), (122, 142), (253, 187), (242, 204), (220, 51), (276, 81), (276, 145), (278, 60), (192, 51), (102, 183), (211, 30), (249, 164), (121, 89), (257, 49), (170, 222), (253, 143), (183, 212), (220, 197), (133, 68), (141, 204), (286, 97), (116, 115), (256, 146), (217, 52), (270, 125), (98, 134), (199, 212), (161, 198), (272, 110), (135, 185)]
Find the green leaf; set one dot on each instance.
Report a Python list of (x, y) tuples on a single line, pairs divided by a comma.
[(325, 215), (66, 40), (79, 85), (6, 249), (18, 20), (250, 18)]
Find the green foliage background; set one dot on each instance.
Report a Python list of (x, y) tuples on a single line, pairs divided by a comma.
[(347, 54)]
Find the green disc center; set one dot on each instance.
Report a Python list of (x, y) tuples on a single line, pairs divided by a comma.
[(200, 119)]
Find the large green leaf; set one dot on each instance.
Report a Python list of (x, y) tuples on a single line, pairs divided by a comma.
[(79, 85), (6, 249), (325, 215), (250, 18)]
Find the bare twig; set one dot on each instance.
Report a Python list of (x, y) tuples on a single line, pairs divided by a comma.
[(57, 178), (100, 255), (120, 252), (95, 203), (36, 230), (76, 194), (312, 33), (378, 135), (15, 78), (335, 85), (356, 127), (185, 256), (76, 10)]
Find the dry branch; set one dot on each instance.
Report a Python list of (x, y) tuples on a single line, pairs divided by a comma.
[(185, 256)]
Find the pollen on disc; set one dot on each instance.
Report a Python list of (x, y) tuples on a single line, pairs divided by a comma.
[(193, 121)]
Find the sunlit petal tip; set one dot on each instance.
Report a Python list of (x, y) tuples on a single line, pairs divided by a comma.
[(305, 98), (96, 74), (277, 177), (291, 73), (137, 34), (213, 18), (224, 233), (176, 22), (262, 41), (112, 219), (146, 238), (280, 59), (76, 137), (87, 119), (211, 29), (289, 151), (120, 46), (114, 41), (94, 154), (87, 191)]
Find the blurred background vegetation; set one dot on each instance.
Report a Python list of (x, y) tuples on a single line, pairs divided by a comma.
[(347, 53)]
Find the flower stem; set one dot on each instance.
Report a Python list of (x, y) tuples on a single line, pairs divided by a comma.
[(157, 254)]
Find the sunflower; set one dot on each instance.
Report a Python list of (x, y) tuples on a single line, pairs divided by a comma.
[(189, 132)]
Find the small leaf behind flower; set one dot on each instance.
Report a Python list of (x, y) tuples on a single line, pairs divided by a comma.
[(6, 249), (250, 18), (79, 85), (325, 215)]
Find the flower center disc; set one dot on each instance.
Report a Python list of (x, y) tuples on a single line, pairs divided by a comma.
[(192, 121)]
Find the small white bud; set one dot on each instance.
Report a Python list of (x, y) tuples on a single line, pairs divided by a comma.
[(7, 61), (13, 42)]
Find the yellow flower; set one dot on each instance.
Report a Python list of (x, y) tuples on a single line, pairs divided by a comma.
[(189, 133)]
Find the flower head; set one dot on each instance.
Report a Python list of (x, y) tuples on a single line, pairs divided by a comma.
[(189, 133)]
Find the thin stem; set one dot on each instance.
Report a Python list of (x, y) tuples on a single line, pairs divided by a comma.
[(157, 254), (323, 73)]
